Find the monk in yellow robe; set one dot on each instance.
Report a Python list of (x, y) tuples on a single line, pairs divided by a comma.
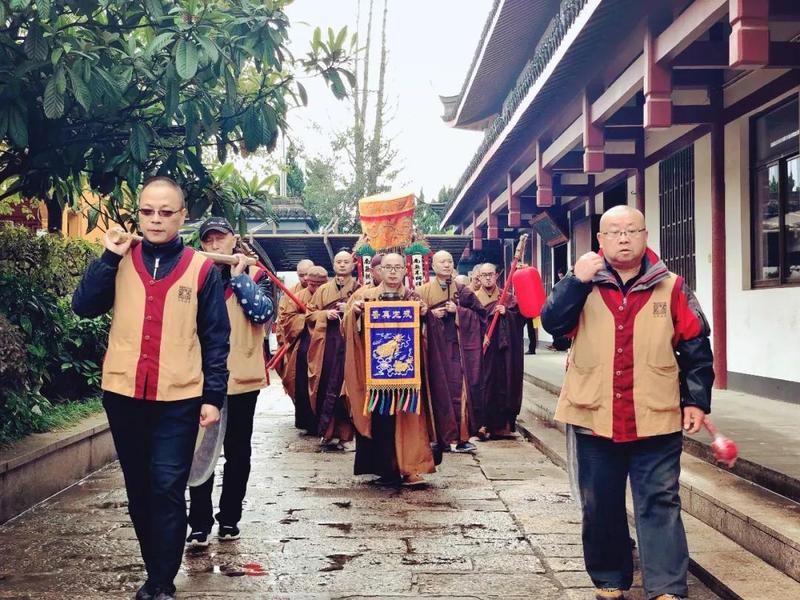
[(295, 362), (326, 354), (285, 302), (394, 447)]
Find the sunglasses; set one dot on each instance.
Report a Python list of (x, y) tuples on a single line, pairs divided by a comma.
[(164, 213)]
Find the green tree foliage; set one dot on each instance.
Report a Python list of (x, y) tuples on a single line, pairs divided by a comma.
[(295, 180), (102, 93), (328, 196), (47, 354)]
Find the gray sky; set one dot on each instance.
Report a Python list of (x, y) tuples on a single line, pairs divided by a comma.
[(430, 44)]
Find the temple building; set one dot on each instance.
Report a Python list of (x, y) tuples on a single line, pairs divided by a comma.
[(687, 110)]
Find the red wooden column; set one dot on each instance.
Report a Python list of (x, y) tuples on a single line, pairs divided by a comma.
[(544, 179), (594, 140), (719, 309), (492, 230), (639, 180), (477, 239), (514, 212), (748, 44), (657, 87)]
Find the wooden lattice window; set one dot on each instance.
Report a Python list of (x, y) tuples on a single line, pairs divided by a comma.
[(676, 212)]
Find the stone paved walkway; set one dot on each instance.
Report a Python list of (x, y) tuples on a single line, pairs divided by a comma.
[(498, 525)]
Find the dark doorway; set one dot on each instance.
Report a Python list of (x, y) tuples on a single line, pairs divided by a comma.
[(560, 261), (616, 196)]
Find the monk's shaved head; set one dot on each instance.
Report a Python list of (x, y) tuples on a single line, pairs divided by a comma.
[(486, 268), (443, 265), (305, 265), (317, 272), (393, 266), (462, 279), (343, 263)]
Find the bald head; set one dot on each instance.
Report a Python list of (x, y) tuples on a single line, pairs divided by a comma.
[(302, 271), (487, 273), (623, 237), (462, 279), (343, 264), (393, 268), (375, 269), (443, 265), (316, 277), (623, 211)]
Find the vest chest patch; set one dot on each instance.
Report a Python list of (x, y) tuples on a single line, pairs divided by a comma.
[(659, 309), (185, 294)]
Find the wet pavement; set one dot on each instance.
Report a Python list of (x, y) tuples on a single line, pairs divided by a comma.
[(496, 525)]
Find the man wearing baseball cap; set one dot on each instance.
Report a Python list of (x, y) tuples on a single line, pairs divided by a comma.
[(249, 309)]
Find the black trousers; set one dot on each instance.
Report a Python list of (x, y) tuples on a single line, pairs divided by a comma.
[(653, 466), (155, 442), (532, 335), (241, 410)]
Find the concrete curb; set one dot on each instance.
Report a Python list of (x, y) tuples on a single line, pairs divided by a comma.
[(42, 464)]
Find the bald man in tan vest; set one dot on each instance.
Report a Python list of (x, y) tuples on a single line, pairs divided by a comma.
[(640, 369)]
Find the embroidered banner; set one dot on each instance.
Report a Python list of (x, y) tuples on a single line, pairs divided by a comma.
[(392, 346)]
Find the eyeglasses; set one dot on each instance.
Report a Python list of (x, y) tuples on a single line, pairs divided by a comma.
[(392, 268), (487, 275), (630, 233), (164, 213)]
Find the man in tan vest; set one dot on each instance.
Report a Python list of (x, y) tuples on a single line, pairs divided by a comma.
[(640, 369), (165, 369), (249, 308)]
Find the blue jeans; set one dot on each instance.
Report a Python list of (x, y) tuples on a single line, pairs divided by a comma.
[(155, 443), (653, 465)]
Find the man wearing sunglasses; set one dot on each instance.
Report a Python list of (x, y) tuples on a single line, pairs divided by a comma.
[(165, 369), (640, 369)]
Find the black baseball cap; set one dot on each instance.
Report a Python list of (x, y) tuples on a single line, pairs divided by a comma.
[(215, 224)]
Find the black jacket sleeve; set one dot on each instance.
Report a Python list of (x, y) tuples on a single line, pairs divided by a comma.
[(696, 363), (564, 305), (95, 293), (214, 331)]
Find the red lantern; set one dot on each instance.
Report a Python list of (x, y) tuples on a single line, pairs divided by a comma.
[(529, 290)]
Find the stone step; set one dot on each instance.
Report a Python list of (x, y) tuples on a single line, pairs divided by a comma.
[(742, 537), (780, 483)]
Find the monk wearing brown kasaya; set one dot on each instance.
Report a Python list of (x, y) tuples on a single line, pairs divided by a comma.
[(502, 362), (326, 354), (295, 362), (302, 273), (394, 447), (453, 360), (375, 271)]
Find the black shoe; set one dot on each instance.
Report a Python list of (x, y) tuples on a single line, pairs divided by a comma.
[(531, 352), (162, 594), (465, 448), (228, 532), (198, 539), (145, 593)]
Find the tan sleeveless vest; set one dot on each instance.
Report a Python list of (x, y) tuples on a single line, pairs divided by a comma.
[(246, 359), (587, 396), (153, 347)]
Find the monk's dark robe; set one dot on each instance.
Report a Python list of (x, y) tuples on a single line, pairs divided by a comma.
[(501, 372), (453, 359), (390, 446), (326, 361), (294, 366)]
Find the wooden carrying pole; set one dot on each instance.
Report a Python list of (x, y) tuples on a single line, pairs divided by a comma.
[(117, 236), (517, 257)]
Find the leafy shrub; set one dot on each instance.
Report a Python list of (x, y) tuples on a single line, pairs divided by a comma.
[(48, 355)]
